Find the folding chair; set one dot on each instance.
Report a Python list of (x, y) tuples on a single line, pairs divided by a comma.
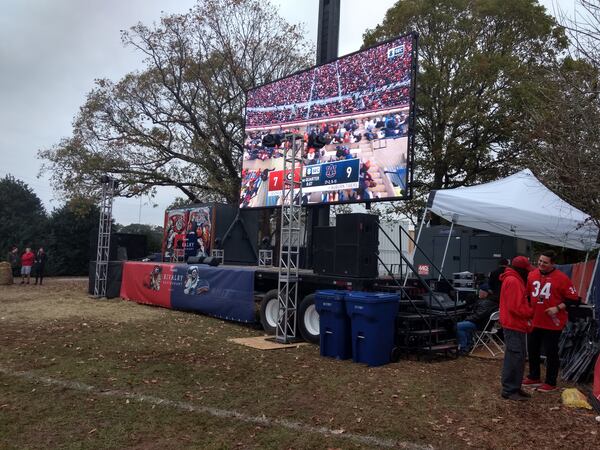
[(488, 337)]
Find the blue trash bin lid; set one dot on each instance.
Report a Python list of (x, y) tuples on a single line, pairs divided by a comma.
[(331, 294), (329, 300), (372, 297)]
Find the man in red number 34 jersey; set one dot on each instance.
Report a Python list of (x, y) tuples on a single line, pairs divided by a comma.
[(550, 290)]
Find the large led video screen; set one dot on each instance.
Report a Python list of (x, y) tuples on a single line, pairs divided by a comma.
[(355, 116)]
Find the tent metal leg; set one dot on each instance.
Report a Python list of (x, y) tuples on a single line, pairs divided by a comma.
[(414, 252), (587, 254), (446, 250)]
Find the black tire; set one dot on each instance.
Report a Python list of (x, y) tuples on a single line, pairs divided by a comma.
[(308, 320), (269, 307)]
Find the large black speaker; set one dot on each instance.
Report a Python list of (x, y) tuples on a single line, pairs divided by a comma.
[(323, 255), (112, 253), (357, 229), (323, 239), (324, 262), (123, 246), (113, 279), (130, 246), (236, 235), (356, 260)]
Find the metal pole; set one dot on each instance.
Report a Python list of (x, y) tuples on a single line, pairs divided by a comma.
[(414, 252), (587, 297), (446, 251)]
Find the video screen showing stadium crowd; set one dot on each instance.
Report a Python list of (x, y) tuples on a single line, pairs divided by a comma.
[(377, 142), (375, 79), (353, 118)]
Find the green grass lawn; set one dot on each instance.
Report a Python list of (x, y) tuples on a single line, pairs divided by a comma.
[(82, 373)]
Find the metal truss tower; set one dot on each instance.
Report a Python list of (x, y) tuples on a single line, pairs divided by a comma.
[(289, 242), (103, 253)]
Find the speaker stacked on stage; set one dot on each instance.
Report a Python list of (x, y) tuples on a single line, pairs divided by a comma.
[(349, 249), (324, 250), (356, 245), (123, 246)]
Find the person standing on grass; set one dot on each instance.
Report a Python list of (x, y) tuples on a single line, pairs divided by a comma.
[(550, 291), (516, 315), (27, 259), (13, 259), (39, 265)]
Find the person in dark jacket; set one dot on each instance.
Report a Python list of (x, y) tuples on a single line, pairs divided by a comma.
[(477, 320), (39, 265), (494, 281), (516, 315), (13, 259)]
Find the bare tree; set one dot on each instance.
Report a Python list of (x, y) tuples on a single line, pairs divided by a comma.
[(179, 122)]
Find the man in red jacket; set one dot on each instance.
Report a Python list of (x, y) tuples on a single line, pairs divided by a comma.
[(515, 317), (550, 291), (27, 259)]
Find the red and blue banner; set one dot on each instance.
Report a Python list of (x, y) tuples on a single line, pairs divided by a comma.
[(148, 283), (224, 292)]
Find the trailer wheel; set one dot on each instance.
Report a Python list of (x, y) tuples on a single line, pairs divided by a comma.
[(269, 309), (308, 319)]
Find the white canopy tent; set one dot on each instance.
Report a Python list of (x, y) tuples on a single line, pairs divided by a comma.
[(520, 206)]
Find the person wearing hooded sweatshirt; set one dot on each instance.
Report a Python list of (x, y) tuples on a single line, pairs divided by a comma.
[(516, 316)]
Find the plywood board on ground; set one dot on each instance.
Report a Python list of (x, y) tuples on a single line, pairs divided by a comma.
[(264, 343)]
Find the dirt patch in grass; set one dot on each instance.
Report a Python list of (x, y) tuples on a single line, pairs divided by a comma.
[(59, 332)]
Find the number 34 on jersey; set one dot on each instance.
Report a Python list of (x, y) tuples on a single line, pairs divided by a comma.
[(543, 293)]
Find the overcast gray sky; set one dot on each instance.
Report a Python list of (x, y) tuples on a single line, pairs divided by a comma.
[(52, 50)]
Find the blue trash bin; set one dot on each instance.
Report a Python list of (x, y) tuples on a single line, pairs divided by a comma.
[(373, 318), (334, 324)]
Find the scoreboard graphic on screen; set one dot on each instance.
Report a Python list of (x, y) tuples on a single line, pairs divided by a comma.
[(356, 116)]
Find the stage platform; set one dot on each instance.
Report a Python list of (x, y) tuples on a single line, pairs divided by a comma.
[(227, 292), (224, 292)]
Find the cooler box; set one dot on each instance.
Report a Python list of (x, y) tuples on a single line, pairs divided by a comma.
[(334, 324), (373, 317)]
